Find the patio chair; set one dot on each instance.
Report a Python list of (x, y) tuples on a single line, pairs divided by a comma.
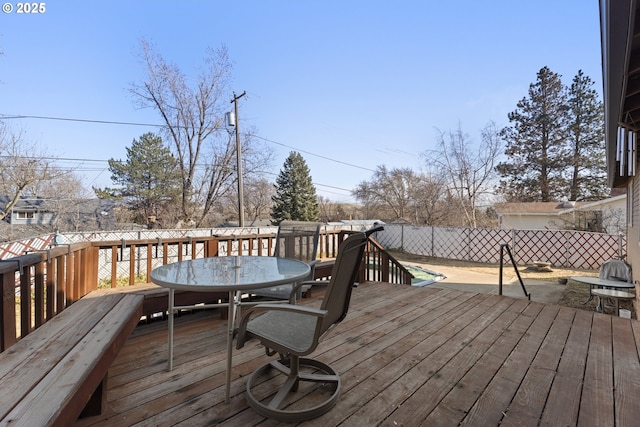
[(293, 331), (298, 240), (613, 269), (616, 269)]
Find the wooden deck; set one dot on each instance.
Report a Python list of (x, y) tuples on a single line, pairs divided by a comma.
[(407, 357)]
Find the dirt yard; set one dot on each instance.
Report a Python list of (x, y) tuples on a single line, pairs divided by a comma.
[(574, 296)]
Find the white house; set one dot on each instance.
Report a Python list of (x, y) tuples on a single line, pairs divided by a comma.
[(608, 215)]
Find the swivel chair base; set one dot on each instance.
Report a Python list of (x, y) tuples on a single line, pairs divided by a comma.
[(326, 376)]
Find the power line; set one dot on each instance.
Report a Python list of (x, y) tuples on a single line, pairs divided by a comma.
[(111, 122), (313, 154), (67, 119)]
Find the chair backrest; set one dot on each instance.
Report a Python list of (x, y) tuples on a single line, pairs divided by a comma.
[(298, 240), (343, 276), (616, 269)]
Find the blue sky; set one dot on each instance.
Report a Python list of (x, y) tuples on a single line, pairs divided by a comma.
[(351, 81)]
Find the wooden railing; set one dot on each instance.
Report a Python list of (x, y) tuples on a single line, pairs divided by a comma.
[(39, 285), (380, 266)]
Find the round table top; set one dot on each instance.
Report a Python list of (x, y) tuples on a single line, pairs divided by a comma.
[(229, 273), (607, 283)]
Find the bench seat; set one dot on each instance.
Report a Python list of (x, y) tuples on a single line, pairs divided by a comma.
[(59, 371), (156, 298)]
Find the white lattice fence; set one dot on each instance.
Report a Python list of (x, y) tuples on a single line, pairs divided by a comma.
[(164, 234), (561, 248), (21, 247), (590, 250), (569, 249), (484, 244), (539, 245), (124, 254), (451, 242), (393, 237)]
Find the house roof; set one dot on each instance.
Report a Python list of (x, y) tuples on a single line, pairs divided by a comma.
[(44, 204), (620, 42), (551, 208), (535, 208), (25, 203)]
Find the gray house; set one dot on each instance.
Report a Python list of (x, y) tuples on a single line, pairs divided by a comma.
[(28, 211), (62, 214)]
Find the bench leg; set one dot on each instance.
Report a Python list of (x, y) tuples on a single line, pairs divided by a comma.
[(97, 402)]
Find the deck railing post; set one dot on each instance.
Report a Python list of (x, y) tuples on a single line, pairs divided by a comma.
[(8, 310)]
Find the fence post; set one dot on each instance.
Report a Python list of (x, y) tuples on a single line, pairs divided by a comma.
[(567, 251), (620, 254), (433, 243)]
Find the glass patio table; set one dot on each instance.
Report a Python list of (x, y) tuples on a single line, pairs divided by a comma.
[(232, 274), (596, 282)]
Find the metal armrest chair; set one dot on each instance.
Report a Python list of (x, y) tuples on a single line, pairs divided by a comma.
[(293, 331), (298, 240)]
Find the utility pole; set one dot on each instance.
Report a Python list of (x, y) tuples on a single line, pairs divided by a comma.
[(239, 159)]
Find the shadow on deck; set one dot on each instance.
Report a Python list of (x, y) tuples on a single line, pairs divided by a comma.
[(407, 356)]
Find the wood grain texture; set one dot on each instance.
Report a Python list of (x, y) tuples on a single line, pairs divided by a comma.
[(406, 357)]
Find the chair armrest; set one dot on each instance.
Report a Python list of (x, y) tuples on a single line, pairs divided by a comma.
[(296, 288), (242, 327), (312, 268)]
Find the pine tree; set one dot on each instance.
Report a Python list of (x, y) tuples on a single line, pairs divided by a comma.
[(536, 143), (295, 197), (149, 180), (588, 171)]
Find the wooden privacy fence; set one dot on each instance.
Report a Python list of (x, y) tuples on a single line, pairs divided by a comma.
[(567, 249)]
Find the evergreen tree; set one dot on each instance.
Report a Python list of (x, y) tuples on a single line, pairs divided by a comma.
[(588, 171), (295, 197), (536, 143), (149, 180)]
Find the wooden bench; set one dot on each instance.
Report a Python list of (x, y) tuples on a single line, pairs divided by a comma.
[(156, 298), (58, 372), (323, 269)]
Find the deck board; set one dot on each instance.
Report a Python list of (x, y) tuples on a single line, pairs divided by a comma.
[(406, 356)]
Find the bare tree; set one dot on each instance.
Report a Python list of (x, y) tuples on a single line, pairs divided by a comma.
[(427, 203), (193, 114), (470, 173), (25, 167), (257, 199), (65, 196), (393, 189)]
